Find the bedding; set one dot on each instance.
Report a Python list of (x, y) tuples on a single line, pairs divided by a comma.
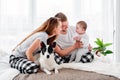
[(97, 70), (6, 72), (66, 74)]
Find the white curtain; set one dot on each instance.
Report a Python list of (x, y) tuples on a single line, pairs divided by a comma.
[(19, 17), (15, 22), (15, 16), (117, 30)]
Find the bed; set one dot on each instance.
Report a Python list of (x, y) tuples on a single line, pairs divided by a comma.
[(96, 70), (66, 74)]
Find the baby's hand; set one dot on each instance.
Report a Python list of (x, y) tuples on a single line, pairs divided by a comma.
[(77, 38)]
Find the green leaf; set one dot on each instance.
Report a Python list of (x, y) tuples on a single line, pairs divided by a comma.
[(101, 48), (99, 42), (96, 48), (103, 53), (108, 52), (107, 44)]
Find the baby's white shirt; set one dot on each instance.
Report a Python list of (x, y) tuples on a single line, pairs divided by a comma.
[(85, 39)]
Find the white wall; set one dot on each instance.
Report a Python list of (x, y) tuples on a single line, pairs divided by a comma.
[(117, 25)]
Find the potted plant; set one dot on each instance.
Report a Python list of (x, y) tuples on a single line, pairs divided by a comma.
[(102, 48)]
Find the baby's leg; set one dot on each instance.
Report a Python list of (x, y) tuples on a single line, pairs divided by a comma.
[(80, 53), (72, 57)]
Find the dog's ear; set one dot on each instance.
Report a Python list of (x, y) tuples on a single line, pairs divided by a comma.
[(51, 47), (53, 44), (43, 47), (42, 44)]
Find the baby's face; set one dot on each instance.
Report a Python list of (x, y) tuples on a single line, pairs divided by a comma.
[(79, 29)]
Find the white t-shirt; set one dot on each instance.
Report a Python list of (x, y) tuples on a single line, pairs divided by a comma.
[(21, 49), (85, 39), (66, 40)]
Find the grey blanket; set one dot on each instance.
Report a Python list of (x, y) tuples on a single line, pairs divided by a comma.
[(65, 74)]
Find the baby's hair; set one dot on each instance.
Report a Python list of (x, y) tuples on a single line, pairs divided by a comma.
[(83, 23)]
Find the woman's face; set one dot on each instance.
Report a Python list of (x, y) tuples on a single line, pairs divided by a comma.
[(58, 28)]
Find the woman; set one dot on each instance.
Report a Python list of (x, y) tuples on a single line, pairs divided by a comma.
[(22, 56)]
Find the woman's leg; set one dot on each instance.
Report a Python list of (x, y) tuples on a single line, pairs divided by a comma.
[(23, 65)]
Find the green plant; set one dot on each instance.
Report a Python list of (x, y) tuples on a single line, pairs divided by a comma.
[(101, 47)]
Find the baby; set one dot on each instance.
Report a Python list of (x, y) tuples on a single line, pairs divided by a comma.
[(83, 37)]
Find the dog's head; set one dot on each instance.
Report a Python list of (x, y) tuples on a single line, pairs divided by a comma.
[(47, 50)]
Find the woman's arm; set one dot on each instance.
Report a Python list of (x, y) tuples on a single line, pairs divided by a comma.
[(31, 49), (64, 52)]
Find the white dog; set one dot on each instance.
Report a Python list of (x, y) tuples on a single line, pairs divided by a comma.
[(47, 61)]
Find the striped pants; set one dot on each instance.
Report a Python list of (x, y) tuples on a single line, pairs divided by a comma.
[(23, 65), (86, 58)]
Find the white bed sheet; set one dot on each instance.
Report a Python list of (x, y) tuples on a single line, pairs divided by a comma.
[(6, 72), (113, 69)]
